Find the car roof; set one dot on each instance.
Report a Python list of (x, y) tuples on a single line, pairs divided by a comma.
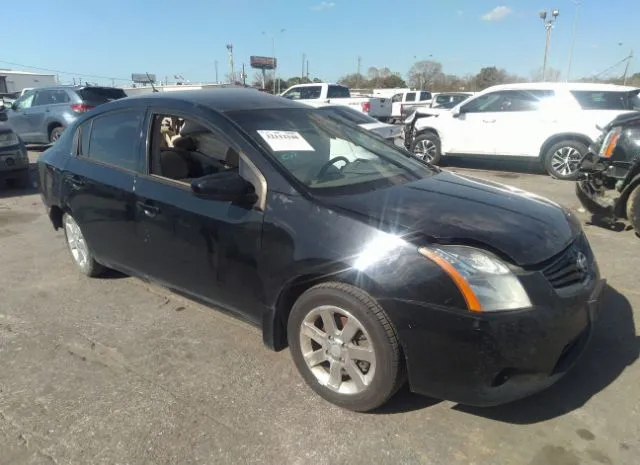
[(221, 100), (569, 86)]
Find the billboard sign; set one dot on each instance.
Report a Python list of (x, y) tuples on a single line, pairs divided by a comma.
[(143, 78), (263, 62)]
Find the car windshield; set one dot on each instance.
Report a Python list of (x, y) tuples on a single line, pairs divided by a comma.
[(101, 94), (351, 115), (327, 156)]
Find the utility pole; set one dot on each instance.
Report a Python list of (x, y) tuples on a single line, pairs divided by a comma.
[(304, 57), (548, 25), (307, 69), (577, 3), (230, 50), (215, 63), (358, 73), (626, 68), (244, 76)]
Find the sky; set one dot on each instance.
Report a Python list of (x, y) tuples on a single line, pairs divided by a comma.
[(114, 39)]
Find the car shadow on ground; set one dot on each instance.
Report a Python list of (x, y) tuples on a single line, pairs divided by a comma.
[(509, 169), (613, 347)]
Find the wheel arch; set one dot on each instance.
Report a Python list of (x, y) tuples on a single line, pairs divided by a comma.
[(621, 204), (554, 139), (52, 125), (274, 323)]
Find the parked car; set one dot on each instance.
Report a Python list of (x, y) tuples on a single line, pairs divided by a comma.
[(390, 132), (610, 185), (41, 115), (367, 268), (379, 108), (440, 103), (405, 102), (550, 122), (14, 160)]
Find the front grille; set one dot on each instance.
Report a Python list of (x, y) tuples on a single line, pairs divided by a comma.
[(572, 266)]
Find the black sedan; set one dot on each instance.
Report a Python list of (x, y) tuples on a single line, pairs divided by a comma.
[(372, 266)]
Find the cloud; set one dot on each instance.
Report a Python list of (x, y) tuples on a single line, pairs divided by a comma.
[(323, 6), (497, 14)]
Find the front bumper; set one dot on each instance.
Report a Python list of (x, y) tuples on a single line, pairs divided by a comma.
[(493, 358)]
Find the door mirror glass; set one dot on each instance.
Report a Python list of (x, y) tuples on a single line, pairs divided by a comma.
[(227, 186)]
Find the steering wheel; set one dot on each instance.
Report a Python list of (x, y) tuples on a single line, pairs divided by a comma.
[(331, 162)]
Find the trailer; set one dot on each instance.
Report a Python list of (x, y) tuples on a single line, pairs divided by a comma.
[(13, 82)]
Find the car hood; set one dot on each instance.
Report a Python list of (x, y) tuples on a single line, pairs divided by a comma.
[(449, 208), (622, 120)]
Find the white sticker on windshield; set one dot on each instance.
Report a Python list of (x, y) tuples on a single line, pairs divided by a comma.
[(281, 141)]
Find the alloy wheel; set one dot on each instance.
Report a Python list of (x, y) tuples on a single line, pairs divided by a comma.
[(566, 161), (76, 242), (425, 150), (337, 349)]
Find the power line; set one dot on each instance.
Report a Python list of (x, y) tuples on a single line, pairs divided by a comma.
[(64, 72)]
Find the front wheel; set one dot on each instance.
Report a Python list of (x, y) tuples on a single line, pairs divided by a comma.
[(562, 160), (345, 347), (79, 248), (633, 208), (427, 147)]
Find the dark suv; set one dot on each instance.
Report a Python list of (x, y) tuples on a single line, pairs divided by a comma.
[(41, 115)]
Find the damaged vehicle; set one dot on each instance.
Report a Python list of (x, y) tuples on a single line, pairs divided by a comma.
[(609, 187), (375, 268)]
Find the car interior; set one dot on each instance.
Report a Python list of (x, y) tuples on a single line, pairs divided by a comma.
[(183, 150)]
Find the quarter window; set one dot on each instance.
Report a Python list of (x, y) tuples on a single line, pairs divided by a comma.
[(113, 139)]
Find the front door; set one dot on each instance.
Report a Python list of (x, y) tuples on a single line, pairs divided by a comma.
[(205, 248), (100, 182), (19, 118)]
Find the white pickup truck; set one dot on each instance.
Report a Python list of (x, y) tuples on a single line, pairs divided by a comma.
[(402, 101), (379, 108)]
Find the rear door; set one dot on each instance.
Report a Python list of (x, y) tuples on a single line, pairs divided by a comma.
[(99, 183), (205, 248), (48, 109)]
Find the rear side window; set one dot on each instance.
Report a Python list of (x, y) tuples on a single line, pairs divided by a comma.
[(604, 100), (411, 97), (101, 94), (338, 92), (425, 96), (113, 139)]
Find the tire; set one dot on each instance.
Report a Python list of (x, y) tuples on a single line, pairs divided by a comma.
[(372, 337), (426, 147), (633, 208), (55, 134), (562, 160), (79, 248)]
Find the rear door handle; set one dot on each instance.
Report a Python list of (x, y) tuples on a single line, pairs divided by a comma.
[(148, 209), (488, 120)]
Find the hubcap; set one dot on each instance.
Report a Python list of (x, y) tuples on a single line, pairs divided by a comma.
[(337, 349), (425, 150), (76, 242), (566, 161)]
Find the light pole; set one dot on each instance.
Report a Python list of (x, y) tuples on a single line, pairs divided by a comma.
[(233, 74), (275, 64), (548, 25), (577, 3)]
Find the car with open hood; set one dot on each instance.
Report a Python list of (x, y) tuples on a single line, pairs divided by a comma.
[(374, 268), (610, 183)]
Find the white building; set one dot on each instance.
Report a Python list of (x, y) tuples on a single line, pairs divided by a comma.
[(14, 81)]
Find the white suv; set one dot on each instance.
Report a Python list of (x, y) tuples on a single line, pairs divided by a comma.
[(552, 122)]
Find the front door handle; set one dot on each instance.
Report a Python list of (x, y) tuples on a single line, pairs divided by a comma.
[(148, 209), (76, 181)]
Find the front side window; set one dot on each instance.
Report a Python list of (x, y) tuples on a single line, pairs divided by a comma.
[(24, 102), (503, 101), (325, 155), (304, 93), (607, 100), (114, 139)]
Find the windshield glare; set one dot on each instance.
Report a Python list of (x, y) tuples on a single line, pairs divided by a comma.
[(326, 154)]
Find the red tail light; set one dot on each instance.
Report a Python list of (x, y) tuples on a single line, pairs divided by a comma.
[(80, 107), (366, 107)]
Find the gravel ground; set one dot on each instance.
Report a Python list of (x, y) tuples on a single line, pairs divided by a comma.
[(117, 371)]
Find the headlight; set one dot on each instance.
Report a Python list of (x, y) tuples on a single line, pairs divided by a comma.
[(8, 139), (610, 142), (486, 283)]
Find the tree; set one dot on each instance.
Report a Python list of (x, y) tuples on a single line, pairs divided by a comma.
[(425, 73), (552, 75), (354, 80), (490, 76), (392, 81)]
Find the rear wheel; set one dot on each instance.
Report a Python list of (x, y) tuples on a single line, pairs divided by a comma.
[(345, 347), (79, 248), (633, 208), (427, 147), (55, 134), (562, 160)]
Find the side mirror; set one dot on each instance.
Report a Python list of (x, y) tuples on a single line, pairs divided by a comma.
[(227, 186), (457, 112)]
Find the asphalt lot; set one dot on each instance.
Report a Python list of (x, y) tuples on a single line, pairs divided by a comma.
[(117, 371)]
